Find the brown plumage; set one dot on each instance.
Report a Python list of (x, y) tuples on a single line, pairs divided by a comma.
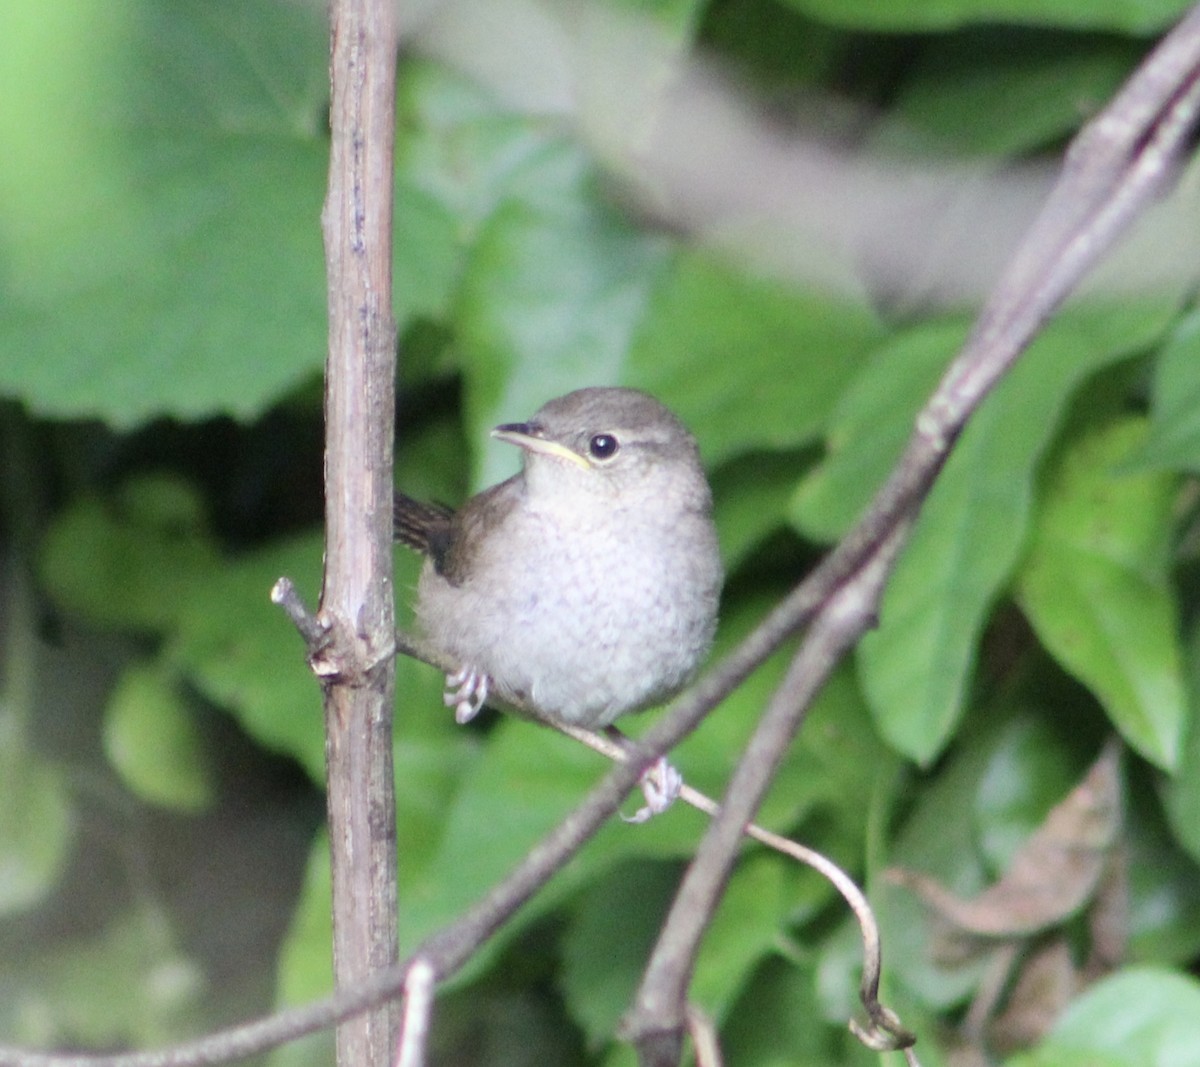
[(425, 527)]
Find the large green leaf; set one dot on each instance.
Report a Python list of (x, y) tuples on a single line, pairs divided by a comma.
[(1141, 1017), (1002, 94), (153, 741), (971, 531), (1174, 439), (241, 651), (160, 206), (616, 922), (870, 424), (524, 783), (1096, 588), (608, 940), (127, 562), (751, 496), (459, 155), (144, 563), (36, 823), (744, 931), (1182, 791), (1164, 892), (306, 956), (546, 281), (554, 291), (748, 362), (774, 1025)]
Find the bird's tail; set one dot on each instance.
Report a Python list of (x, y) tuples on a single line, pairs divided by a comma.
[(418, 524)]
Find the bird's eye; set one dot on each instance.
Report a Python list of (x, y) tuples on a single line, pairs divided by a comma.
[(602, 446)]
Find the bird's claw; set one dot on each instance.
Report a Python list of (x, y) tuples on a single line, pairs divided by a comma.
[(466, 692), (660, 786)]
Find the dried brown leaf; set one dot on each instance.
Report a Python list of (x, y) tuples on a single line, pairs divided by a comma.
[(1052, 876)]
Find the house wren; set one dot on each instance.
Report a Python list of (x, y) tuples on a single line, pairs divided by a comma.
[(586, 586)]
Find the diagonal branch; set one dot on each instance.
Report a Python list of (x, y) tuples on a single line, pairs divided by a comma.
[(1117, 164), (652, 1024)]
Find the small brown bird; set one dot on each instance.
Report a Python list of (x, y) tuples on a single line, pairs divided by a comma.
[(585, 586)]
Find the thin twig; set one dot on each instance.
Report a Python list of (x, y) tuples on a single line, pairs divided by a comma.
[(655, 1023), (704, 1038), (314, 632), (894, 1035), (418, 1006)]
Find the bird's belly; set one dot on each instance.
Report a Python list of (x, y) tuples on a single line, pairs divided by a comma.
[(583, 634)]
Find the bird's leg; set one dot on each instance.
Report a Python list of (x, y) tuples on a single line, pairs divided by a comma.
[(660, 784), (466, 691)]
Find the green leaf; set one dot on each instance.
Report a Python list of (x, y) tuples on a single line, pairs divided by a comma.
[(1174, 439), (1028, 772), (159, 214), (138, 563), (427, 254), (457, 153), (306, 958), (616, 924), (240, 650), (783, 993), (608, 941), (463, 148), (36, 826), (1003, 92), (972, 529), (751, 495), (717, 342), (870, 425), (548, 281), (525, 781), (1182, 790), (128, 563), (1164, 893), (1140, 17), (555, 288), (744, 931), (152, 739), (941, 838), (1141, 1017), (1095, 587)]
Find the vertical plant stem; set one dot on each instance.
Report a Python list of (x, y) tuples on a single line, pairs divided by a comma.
[(356, 601)]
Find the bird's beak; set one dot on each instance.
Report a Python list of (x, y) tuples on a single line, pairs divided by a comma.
[(527, 436)]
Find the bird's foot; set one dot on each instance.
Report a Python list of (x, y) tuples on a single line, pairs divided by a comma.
[(466, 691), (660, 786)]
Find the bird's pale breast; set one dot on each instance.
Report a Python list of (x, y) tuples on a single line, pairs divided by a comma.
[(588, 613)]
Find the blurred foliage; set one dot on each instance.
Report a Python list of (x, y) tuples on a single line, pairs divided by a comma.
[(162, 316)]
